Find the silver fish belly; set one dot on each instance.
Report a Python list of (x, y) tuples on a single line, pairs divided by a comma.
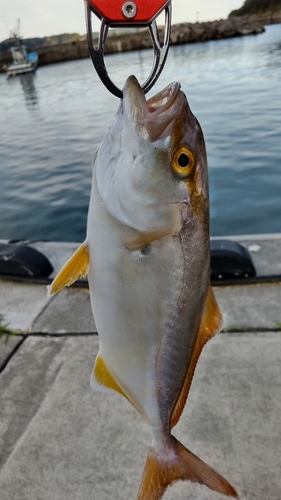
[(155, 310)]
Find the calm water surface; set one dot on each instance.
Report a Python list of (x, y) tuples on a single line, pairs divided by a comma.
[(52, 122)]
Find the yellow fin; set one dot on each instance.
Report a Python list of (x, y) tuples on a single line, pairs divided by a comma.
[(76, 267), (209, 326), (103, 377), (178, 463), (103, 380)]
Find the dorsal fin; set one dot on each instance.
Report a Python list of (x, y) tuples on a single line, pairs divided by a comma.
[(76, 267), (209, 326)]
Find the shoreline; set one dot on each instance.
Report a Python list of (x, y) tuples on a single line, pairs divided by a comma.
[(181, 34)]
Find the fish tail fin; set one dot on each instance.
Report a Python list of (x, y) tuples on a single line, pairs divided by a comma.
[(178, 463)]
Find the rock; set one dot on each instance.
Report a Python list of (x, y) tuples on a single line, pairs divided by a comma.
[(215, 30)]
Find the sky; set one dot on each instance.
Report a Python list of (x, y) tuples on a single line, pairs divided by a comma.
[(53, 17)]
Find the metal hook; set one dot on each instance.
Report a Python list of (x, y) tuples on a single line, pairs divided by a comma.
[(97, 53)]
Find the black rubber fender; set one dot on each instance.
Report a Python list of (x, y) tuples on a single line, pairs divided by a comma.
[(22, 260)]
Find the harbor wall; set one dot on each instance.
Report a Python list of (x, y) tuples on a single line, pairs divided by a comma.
[(181, 34)]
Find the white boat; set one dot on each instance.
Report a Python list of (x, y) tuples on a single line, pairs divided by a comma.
[(23, 61)]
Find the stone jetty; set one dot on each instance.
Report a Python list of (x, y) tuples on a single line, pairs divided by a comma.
[(181, 34)]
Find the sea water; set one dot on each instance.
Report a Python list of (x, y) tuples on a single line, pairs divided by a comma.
[(52, 122)]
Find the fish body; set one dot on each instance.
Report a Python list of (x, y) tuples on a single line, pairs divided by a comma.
[(148, 259)]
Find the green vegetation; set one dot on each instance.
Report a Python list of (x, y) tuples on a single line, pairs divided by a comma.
[(4, 332), (257, 7)]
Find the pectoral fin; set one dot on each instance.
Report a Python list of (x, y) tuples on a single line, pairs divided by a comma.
[(210, 325), (141, 239), (76, 267)]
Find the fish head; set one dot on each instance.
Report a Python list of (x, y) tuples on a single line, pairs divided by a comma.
[(157, 178)]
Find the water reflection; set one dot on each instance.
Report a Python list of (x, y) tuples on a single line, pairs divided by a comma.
[(27, 82), (142, 63), (52, 122), (30, 93)]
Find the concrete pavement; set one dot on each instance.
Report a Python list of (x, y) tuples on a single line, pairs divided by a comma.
[(59, 440)]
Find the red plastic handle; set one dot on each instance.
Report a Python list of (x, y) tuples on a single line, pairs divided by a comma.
[(124, 12)]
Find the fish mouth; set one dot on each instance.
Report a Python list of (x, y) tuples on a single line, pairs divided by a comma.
[(155, 116)]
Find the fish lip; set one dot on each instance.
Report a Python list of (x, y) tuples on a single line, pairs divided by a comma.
[(133, 95), (157, 104), (164, 100), (155, 114)]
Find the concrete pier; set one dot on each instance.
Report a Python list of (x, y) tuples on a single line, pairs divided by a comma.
[(59, 440)]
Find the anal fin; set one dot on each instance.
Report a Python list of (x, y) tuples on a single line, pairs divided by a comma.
[(102, 377), (76, 267), (210, 324)]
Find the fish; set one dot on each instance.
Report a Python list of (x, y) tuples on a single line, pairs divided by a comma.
[(147, 256)]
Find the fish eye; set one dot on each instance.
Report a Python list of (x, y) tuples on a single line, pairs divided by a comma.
[(183, 162)]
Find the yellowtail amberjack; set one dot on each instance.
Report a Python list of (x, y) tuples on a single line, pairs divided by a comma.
[(148, 259)]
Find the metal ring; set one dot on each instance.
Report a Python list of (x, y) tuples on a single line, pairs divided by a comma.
[(160, 51)]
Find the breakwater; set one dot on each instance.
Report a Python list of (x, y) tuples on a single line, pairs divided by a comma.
[(181, 34)]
